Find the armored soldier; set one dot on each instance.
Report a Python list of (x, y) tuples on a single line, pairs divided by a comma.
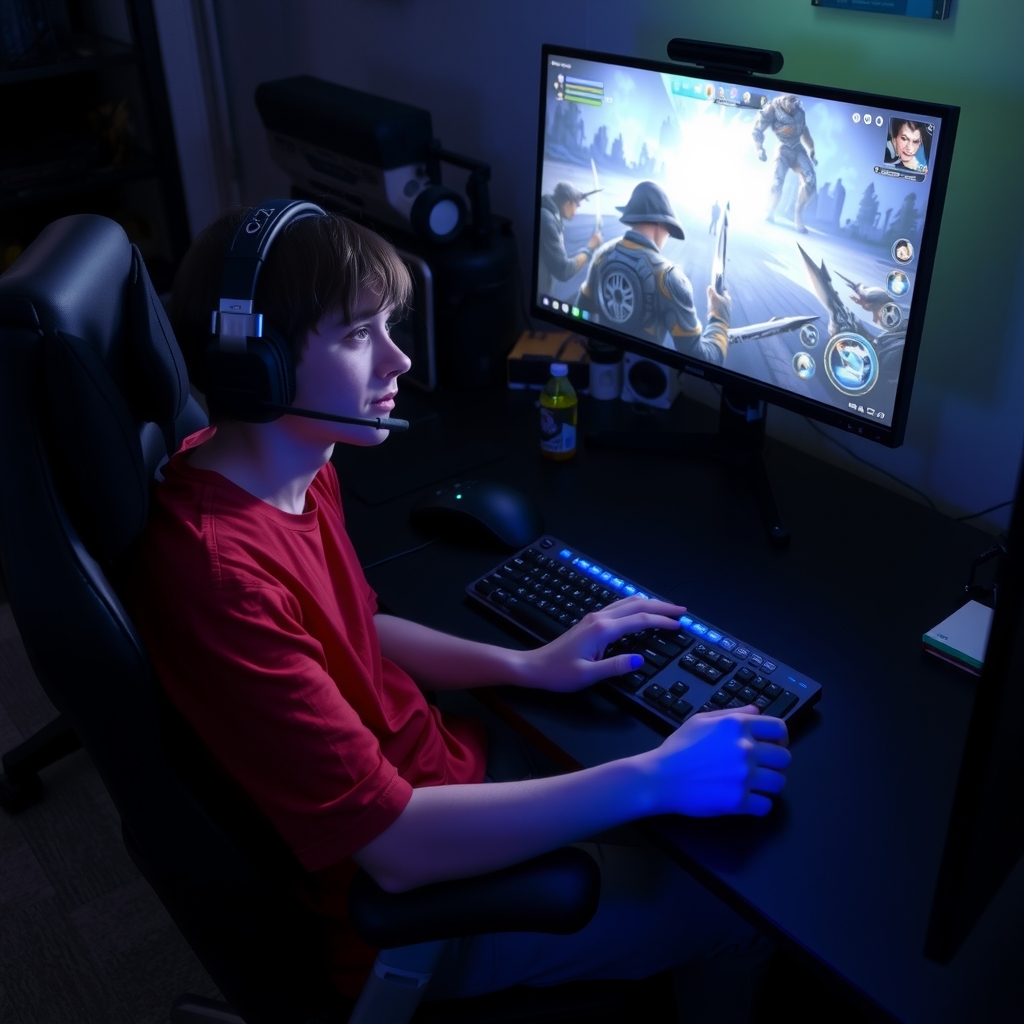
[(632, 287), (785, 116), (555, 263)]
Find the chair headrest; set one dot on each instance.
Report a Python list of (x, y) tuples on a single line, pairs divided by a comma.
[(72, 278), (112, 370)]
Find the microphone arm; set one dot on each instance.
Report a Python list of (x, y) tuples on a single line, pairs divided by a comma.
[(377, 422)]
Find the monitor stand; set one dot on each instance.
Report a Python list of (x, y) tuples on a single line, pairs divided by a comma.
[(739, 443)]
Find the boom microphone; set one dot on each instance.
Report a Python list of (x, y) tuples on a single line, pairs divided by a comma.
[(378, 422)]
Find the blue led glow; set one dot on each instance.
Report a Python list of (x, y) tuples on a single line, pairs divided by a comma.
[(685, 620), (629, 589), (606, 576), (640, 593), (699, 627), (617, 583), (594, 570), (581, 562), (713, 636), (564, 553)]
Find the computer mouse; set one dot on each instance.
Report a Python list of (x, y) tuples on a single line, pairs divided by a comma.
[(479, 512)]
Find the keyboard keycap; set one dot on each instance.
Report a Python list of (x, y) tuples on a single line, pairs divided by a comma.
[(681, 708), (533, 619), (632, 682), (781, 705)]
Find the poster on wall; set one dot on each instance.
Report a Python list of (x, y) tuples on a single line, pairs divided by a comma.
[(908, 8)]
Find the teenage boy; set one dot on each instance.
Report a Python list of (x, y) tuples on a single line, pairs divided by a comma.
[(267, 637)]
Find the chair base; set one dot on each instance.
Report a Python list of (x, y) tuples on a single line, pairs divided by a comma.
[(20, 785)]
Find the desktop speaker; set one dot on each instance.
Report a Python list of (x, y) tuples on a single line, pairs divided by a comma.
[(648, 382)]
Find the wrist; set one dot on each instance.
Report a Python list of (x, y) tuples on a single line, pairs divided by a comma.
[(521, 667)]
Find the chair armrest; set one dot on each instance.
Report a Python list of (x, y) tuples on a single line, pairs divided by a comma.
[(556, 893)]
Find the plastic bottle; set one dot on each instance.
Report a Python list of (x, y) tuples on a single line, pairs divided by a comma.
[(558, 409)]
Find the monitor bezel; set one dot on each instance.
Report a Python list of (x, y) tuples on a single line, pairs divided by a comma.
[(891, 435)]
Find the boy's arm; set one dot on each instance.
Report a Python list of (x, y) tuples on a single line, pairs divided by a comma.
[(716, 763), (574, 660)]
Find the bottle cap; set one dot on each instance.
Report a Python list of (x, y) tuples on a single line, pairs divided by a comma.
[(559, 370)]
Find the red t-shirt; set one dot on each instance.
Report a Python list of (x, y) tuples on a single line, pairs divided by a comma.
[(260, 626)]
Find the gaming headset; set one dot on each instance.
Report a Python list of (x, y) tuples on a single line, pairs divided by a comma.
[(250, 373)]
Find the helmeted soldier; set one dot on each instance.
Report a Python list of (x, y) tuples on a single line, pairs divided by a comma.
[(555, 262), (785, 116), (632, 287)]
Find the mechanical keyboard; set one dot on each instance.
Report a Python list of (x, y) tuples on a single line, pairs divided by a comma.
[(549, 586)]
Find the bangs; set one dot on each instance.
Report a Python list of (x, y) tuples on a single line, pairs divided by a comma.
[(321, 264)]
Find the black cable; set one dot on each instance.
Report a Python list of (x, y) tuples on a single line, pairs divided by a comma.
[(892, 476), (523, 308), (931, 504), (991, 508), (399, 554)]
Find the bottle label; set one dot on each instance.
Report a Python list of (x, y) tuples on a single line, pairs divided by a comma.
[(558, 430)]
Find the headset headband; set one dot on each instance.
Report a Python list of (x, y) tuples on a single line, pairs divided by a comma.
[(234, 319)]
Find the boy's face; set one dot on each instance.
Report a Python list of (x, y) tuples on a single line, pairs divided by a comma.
[(351, 369)]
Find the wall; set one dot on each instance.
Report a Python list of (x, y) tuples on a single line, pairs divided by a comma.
[(475, 65)]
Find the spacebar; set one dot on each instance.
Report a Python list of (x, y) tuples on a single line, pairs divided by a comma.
[(532, 619)]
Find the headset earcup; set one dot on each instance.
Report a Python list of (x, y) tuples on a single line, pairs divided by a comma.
[(280, 368), (253, 385)]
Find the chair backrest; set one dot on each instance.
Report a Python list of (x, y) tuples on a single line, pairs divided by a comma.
[(93, 396)]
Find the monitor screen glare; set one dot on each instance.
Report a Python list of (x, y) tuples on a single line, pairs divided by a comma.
[(765, 235)]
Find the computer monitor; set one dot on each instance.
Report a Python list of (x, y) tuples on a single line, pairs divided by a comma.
[(814, 209), (985, 837)]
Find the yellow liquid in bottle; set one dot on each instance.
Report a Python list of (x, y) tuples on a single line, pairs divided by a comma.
[(558, 414)]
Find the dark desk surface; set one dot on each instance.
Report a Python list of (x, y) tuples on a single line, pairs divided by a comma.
[(845, 865)]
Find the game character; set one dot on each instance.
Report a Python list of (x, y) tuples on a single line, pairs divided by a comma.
[(903, 147), (631, 286), (266, 636), (716, 212), (555, 209), (872, 298), (785, 116)]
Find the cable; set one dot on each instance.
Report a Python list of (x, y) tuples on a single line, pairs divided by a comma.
[(991, 508), (892, 476), (521, 295), (399, 554), (931, 504)]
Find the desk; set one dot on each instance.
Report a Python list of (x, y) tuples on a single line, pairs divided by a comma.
[(844, 867)]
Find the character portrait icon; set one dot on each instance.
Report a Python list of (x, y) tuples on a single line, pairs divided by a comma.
[(907, 148), (902, 250)]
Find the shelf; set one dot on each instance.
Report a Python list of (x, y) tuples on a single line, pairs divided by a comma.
[(87, 181), (83, 52)]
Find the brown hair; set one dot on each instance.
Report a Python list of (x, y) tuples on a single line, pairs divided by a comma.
[(316, 265)]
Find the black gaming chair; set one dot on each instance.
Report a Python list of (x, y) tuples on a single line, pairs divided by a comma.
[(93, 395)]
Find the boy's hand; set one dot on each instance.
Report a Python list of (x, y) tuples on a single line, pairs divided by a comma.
[(721, 762), (576, 658)]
